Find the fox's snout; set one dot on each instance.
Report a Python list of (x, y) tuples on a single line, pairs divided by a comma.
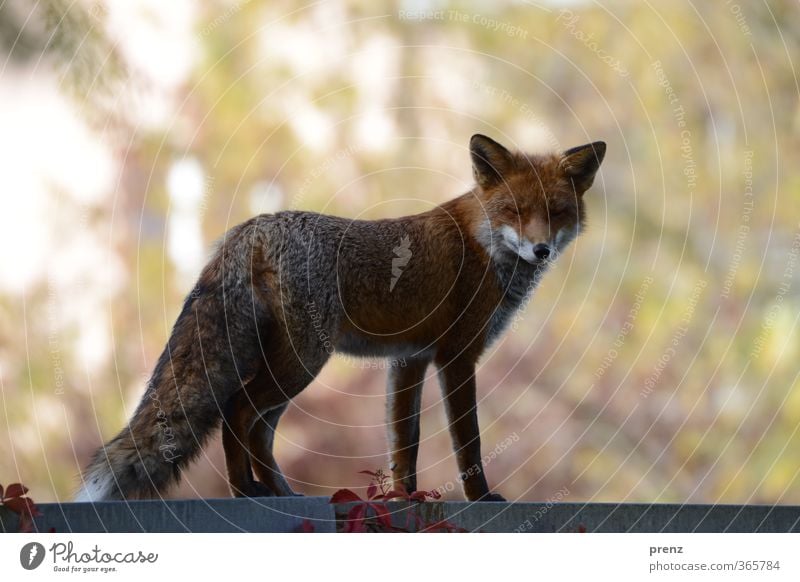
[(541, 251), (531, 251)]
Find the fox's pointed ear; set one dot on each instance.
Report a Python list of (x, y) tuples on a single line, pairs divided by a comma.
[(580, 164), (490, 160)]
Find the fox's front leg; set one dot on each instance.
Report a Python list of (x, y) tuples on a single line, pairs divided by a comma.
[(457, 377), (402, 420)]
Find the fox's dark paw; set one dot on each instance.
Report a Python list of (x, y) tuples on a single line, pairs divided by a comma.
[(288, 493), (252, 489), (492, 497), (285, 491), (408, 485)]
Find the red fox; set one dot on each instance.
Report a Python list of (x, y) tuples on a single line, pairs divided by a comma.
[(284, 291)]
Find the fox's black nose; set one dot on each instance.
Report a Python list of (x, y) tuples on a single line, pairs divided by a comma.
[(541, 251)]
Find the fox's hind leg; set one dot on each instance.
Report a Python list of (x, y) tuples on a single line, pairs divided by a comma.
[(249, 428), (262, 438), (239, 414), (402, 419)]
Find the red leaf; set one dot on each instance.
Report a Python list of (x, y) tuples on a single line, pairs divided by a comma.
[(372, 490), (16, 490), (422, 495), (357, 512), (21, 505), (419, 495), (355, 519), (344, 496), (307, 526), (384, 518)]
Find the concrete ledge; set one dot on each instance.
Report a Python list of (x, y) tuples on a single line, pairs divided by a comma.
[(270, 514), (611, 517), (266, 514)]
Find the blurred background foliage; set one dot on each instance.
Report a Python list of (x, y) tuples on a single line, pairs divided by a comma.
[(657, 362)]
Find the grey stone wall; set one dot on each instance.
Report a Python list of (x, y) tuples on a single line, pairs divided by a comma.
[(289, 514)]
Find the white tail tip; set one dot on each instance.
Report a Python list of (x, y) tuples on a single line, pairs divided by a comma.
[(95, 488)]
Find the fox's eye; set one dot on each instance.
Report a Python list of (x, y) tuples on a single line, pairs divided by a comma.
[(510, 208), (561, 211)]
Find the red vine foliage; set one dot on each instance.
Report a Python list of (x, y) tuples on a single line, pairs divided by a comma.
[(372, 514), (14, 499)]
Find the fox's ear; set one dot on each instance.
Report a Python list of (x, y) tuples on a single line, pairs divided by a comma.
[(490, 160), (580, 164)]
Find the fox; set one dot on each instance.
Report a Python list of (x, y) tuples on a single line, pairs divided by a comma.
[(284, 292)]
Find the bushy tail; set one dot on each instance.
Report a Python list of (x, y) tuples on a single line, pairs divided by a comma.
[(213, 349)]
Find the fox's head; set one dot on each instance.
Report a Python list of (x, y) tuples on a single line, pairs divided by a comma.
[(532, 204)]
